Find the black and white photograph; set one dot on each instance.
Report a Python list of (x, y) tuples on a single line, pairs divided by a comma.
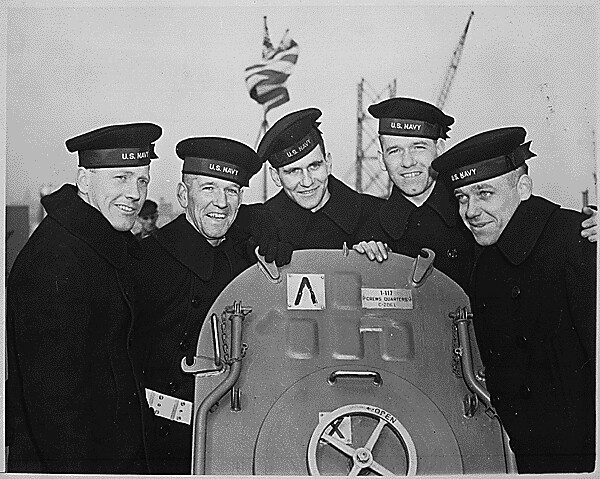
[(299, 238)]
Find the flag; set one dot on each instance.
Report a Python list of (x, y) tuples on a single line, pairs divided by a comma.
[(266, 81)]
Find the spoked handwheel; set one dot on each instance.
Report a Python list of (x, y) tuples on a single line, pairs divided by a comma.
[(371, 441)]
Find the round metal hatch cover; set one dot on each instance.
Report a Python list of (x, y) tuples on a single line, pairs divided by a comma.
[(354, 426)]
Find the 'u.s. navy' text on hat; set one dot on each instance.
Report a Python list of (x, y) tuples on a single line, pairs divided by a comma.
[(403, 127), (230, 170), (490, 167), (205, 166), (463, 174), (133, 155), (115, 156), (296, 151)]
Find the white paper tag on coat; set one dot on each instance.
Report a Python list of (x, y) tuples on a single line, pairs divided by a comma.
[(305, 291), (381, 298), (341, 428), (170, 407)]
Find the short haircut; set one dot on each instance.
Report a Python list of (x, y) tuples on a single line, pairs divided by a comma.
[(517, 173), (321, 143)]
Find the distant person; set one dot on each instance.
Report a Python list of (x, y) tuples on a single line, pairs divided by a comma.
[(74, 403), (147, 218), (533, 294)]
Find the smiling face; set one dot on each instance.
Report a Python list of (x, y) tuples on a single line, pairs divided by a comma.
[(211, 204), (487, 207), (305, 180), (118, 193), (407, 159)]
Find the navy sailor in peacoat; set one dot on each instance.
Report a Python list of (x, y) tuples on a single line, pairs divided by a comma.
[(74, 403), (74, 400), (533, 295)]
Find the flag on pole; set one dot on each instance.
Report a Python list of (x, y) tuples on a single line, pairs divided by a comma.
[(266, 81)]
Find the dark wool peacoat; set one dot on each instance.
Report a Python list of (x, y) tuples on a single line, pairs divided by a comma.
[(178, 281), (338, 221), (533, 295), (74, 403), (435, 224)]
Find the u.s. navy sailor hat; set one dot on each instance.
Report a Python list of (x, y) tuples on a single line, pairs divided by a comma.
[(114, 146), (410, 117), (218, 157), (483, 156), (292, 137)]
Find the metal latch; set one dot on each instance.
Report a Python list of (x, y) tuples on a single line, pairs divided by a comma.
[(422, 267)]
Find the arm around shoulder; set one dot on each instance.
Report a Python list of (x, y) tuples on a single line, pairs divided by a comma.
[(581, 280)]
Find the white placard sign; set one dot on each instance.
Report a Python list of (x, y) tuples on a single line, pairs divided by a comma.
[(305, 291), (382, 298)]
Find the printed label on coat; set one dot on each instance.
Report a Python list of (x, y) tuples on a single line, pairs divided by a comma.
[(305, 291), (170, 407), (380, 298), (341, 428)]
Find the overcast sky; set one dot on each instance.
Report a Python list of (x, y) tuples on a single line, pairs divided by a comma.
[(72, 68)]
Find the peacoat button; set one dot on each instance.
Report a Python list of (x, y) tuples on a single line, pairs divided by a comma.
[(525, 392), (515, 292), (164, 430), (452, 253), (183, 345), (173, 387), (196, 302)]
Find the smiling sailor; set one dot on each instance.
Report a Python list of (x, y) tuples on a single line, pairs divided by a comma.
[(420, 213), (313, 208), (533, 293), (187, 264), (73, 402)]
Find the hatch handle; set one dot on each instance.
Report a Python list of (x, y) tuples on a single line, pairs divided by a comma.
[(374, 375), (423, 266), (270, 270)]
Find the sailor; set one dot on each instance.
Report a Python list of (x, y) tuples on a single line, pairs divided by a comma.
[(74, 402), (187, 263), (313, 209), (420, 211), (533, 294)]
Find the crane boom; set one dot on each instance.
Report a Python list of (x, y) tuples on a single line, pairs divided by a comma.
[(445, 90)]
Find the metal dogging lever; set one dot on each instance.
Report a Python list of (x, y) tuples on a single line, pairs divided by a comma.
[(236, 316), (461, 319)]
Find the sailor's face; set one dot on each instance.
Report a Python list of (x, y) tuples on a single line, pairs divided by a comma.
[(211, 205), (407, 159), (118, 193), (487, 207), (305, 181)]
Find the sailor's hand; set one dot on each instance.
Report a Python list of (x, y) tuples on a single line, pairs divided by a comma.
[(276, 251), (373, 250), (590, 225)]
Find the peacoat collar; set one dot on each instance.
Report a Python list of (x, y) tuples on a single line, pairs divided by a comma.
[(189, 247), (395, 213), (342, 208), (85, 222), (524, 228)]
